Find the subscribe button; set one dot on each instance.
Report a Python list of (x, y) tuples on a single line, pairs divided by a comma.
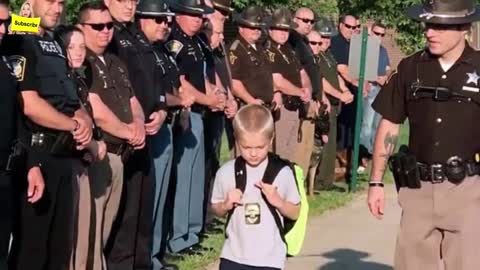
[(22, 24)]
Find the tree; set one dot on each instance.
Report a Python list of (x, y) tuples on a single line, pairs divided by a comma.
[(323, 7)]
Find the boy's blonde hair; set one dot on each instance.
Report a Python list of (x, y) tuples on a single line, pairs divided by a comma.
[(253, 118)]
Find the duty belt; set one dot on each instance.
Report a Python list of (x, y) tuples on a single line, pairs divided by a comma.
[(59, 143), (438, 173)]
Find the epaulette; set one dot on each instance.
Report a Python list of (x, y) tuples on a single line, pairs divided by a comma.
[(234, 45)]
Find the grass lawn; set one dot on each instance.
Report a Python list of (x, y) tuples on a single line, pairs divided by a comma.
[(324, 201)]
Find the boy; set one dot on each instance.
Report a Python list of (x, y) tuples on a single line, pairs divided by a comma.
[(254, 241)]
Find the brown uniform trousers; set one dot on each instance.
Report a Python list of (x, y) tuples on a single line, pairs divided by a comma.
[(286, 138), (440, 221), (100, 196)]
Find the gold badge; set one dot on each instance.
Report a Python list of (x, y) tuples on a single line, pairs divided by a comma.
[(232, 58), (174, 47), (271, 56), (18, 63), (252, 213)]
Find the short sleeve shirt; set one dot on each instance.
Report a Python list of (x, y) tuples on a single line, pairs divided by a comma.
[(253, 236), (110, 82), (340, 49), (249, 64), (383, 61), (284, 61), (438, 129), (189, 55)]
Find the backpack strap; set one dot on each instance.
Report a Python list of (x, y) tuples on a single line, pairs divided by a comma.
[(240, 183), (275, 165)]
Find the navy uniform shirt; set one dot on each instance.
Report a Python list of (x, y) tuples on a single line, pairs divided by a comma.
[(40, 65), (438, 129), (340, 49), (134, 49), (189, 56), (250, 66), (8, 108)]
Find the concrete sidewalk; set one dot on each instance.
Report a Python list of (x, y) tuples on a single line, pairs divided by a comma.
[(350, 238)]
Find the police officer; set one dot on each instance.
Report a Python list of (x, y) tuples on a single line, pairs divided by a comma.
[(132, 237), (324, 150), (291, 80), (219, 78), (9, 111), (252, 77), (53, 128), (152, 18), (438, 90), (189, 153)]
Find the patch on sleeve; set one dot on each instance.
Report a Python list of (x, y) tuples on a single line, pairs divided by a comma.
[(232, 57), (18, 64), (174, 47)]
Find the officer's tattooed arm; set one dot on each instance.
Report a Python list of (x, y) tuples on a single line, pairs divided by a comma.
[(385, 142)]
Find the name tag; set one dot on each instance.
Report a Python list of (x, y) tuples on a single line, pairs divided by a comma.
[(50, 48), (471, 89)]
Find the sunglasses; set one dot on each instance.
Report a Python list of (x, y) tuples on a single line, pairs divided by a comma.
[(353, 27), (379, 34), (305, 20), (441, 27), (160, 20), (315, 43), (100, 26)]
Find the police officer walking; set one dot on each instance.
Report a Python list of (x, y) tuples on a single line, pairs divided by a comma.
[(189, 150), (437, 89), (53, 128)]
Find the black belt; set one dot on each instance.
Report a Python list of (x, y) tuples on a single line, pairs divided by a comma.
[(59, 143), (438, 173)]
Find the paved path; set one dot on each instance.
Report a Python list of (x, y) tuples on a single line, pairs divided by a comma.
[(350, 238)]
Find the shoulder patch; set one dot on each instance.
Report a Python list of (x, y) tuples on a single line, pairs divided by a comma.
[(18, 64), (232, 57), (234, 45), (174, 47)]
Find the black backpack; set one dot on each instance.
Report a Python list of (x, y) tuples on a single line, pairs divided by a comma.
[(274, 166)]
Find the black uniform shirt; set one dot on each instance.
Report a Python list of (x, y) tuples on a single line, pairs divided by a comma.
[(438, 129), (134, 49), (110, 82), (40, 65), (169, 78), (8, 108), (189, 55), (251, 66), (305, 55), (284, 61), (340, 49)]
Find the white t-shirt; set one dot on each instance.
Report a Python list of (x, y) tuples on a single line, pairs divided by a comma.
[(253, 237)]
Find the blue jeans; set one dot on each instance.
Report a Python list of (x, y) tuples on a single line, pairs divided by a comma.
[(189, 166), (370, 119), (162, 151)]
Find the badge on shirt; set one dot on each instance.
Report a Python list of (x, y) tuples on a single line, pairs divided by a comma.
[(18, 63), (252, 213), (174, 47), (472, 78), (271, 56), (232, 58)]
